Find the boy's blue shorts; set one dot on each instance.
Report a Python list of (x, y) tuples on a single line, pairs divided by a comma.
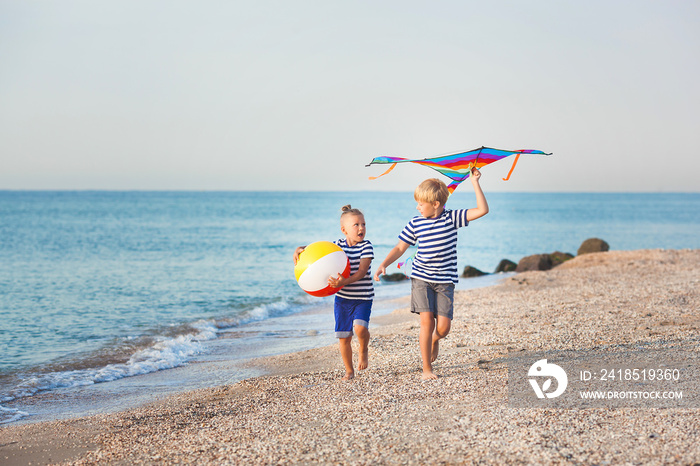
[(350, 312)]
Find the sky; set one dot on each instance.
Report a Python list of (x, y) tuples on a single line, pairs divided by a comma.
[(301, 95)]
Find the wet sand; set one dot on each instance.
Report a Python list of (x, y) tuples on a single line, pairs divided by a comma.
[(303, 413)]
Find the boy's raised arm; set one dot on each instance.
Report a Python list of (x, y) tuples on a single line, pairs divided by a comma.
[(482, 207), (392, 257)]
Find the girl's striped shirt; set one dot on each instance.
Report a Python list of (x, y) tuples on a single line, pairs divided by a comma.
[(363, 288)]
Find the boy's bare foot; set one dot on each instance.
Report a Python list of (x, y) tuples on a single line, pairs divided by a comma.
[(435, 351), (348, 376), (428, 376), (363, 361)]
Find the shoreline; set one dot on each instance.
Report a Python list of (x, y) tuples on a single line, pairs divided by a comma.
[(302, 412), (226, 359)]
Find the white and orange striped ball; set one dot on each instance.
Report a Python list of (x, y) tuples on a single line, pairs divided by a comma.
[(317, 262)]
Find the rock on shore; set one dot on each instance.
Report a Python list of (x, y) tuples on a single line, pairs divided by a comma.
[(592, 245)]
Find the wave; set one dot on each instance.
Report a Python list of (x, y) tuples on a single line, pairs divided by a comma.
[(11, 415), (265, 311), (164, 353)]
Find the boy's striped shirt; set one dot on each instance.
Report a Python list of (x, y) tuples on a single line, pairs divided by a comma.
[(436, 258), (363, 288)]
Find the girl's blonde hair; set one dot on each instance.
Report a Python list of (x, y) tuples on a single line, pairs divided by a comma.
[(431, 190), (347, 209)]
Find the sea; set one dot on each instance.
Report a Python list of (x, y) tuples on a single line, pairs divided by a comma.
[(113, 299)]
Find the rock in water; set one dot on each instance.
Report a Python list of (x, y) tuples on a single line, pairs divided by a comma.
[(505, 266), (470, 272), (534, 262), (560, 257), (393, 277)]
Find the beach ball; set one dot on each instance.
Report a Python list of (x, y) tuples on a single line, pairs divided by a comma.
[(316, 263)]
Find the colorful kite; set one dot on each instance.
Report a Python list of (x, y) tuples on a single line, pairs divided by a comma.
[(459, 166)]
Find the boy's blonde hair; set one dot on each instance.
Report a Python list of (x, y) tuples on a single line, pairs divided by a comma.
[(431, 190)]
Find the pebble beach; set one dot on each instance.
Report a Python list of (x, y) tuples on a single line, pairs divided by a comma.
[(303, 413)]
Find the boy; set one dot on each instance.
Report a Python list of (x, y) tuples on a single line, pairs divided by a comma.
[(434, 267)]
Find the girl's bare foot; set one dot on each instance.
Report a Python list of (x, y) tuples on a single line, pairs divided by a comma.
[(428, 376), (349, 376)]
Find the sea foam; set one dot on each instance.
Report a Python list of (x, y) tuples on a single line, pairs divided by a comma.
[(164, 354)]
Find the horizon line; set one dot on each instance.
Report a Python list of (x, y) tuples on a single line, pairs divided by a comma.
[(183, 190)]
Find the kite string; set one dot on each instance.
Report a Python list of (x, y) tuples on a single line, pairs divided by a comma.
[(406, 265)]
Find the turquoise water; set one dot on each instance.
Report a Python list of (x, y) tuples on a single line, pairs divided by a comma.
[(101, 286)]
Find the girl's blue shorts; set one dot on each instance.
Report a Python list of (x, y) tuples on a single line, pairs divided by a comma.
[(350, 312)]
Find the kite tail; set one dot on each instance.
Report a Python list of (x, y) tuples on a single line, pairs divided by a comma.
[(512, 168), (393, 165)]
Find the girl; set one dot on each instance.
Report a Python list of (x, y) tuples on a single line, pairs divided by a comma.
[(353, 303)]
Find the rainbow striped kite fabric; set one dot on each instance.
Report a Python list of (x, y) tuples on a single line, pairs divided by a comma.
[(459, 166)]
